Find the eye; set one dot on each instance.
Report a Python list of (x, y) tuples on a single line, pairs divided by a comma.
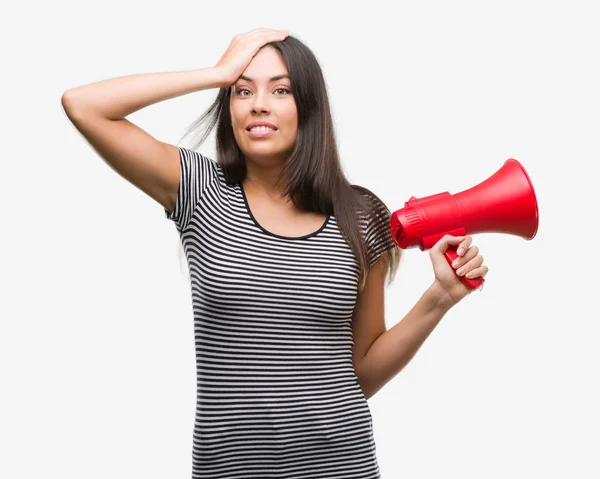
[(239, 91)]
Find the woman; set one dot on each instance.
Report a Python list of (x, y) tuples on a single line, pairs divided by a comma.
[(287, 261)]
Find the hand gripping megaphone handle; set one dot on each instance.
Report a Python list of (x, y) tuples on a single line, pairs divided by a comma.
[(451, 255)]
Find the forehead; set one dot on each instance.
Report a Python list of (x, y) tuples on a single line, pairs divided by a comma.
[(265, 64)]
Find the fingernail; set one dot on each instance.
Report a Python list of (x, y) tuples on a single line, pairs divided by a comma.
[(470, 274), (456, 263), (460, 251)]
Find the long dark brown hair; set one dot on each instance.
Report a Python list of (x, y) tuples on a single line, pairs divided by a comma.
[(314, 180)]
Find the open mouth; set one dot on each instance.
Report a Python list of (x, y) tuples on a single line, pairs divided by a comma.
[(261, 131)]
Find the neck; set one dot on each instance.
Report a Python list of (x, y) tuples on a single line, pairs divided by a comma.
[(262, 180)]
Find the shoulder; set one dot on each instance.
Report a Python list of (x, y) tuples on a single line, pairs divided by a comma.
[(198, 158)]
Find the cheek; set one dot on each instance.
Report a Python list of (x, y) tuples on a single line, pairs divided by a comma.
[(291, 118), (236, 114)]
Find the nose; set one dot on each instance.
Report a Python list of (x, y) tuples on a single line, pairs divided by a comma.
[(259, 104)]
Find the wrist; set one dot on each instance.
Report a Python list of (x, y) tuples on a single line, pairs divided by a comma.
[(221, 77), (439, 298)]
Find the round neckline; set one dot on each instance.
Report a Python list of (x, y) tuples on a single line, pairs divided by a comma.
[(309, 235)]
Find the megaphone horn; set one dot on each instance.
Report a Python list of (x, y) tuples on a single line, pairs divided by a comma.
[(504, 203)]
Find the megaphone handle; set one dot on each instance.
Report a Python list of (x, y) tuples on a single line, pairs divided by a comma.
[(451, 255)]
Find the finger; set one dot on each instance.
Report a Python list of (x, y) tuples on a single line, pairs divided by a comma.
[(470, 266), (478, 272), (469, 255), (266, 31), (258, 32), (261, 38), (464, 246), (275, 34), (445, 242)]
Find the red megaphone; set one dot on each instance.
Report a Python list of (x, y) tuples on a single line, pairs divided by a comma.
[(504, 203)]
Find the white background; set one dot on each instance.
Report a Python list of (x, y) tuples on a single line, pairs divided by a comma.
[(96, 341)]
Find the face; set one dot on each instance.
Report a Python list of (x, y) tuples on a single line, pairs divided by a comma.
[(257, 97)]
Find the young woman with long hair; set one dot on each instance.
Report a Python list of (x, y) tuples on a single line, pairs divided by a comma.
[(287, 261)]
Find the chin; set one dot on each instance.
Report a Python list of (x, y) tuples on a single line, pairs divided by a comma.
[(264, 153)]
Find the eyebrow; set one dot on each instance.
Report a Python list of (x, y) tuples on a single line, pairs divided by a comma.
[(275, 78)]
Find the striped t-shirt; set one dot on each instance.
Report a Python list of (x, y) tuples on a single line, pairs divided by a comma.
[(277, 394)]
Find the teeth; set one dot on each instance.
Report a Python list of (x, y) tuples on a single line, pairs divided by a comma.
[(261, 128)]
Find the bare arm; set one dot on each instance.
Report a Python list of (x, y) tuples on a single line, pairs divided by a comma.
[(98, 111), (394, 349), (118, 97)]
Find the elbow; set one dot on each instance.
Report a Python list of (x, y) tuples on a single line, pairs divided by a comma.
[(67, 100), (71, 106)]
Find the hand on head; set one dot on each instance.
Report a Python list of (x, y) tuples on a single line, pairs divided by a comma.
[(242, 49)]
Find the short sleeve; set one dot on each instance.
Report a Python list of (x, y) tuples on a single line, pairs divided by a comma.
[(196, 172), (378, 237)]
